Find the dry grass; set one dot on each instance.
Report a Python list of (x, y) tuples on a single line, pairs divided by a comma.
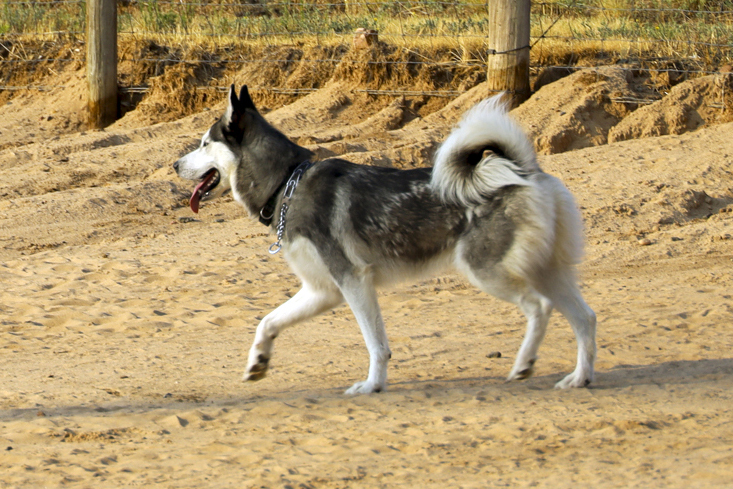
[(697, 31), (620, 29), (429, 46)]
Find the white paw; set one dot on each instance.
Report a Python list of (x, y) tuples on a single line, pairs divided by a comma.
[(522, 372), (365, 387), (575, 380), (257, 368)]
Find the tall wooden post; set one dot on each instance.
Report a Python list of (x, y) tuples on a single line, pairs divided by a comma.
[(102, 62), (508, 66)]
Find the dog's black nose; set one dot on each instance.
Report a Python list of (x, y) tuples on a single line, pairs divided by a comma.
[(175, 165)]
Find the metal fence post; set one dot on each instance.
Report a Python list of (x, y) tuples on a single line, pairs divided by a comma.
[(102, 62), (508, 66)]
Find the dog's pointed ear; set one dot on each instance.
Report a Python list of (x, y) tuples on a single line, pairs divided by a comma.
[(234, 117), (232, 107), (245, 100)]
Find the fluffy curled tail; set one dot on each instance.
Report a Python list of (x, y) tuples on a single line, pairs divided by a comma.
[(485, 152)]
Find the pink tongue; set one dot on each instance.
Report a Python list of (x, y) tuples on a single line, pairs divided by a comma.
[(196, 195)]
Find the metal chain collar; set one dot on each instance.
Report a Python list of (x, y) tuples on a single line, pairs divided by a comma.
[(289, 189)]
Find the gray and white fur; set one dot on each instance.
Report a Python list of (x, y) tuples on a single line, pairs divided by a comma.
[(485, 209)]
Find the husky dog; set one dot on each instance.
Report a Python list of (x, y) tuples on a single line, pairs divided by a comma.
[(485, 208)]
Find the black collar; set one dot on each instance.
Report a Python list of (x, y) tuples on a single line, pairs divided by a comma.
[(268, 211)]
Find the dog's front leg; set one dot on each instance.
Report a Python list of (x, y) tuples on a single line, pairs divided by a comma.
[(362, 298), (308, 302)]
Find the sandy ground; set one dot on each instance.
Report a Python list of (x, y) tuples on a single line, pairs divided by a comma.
[(125, 321)]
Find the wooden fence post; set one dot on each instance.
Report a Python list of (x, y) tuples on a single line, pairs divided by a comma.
[(102, 62), (508, 66)]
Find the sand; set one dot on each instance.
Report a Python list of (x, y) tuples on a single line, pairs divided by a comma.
[(125, 319)]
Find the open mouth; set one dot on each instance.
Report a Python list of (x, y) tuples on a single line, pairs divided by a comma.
[(207, 184)]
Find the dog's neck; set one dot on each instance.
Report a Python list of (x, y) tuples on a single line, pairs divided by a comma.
[(267, 159), (267, 213)]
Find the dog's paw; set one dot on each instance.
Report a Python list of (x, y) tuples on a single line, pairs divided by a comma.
[(575, 380), (522, 372), (258, 370), (365, 387)]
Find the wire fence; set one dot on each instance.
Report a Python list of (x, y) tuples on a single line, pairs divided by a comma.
[(661, 36)]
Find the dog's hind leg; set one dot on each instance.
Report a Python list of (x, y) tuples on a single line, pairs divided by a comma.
[(306, 303), (568, 300), (537, 309), (362, 298)]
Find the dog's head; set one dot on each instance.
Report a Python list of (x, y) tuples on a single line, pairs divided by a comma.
[(214, 163)]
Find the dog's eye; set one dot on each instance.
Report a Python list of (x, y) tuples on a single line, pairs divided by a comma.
[(204, 144)]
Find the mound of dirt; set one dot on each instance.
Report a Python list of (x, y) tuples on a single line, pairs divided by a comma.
[(45, 115), (586, 108), (292, 69), (180, 81), (332, 104), (173, 95), (576, 111), (453, 111), (681, 205), (687, 107)]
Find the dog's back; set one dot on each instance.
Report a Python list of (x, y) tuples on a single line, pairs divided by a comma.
[(387, 219)]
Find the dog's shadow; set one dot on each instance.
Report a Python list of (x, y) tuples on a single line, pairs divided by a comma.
[(676, 372), (619, 377), (712, 373)]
